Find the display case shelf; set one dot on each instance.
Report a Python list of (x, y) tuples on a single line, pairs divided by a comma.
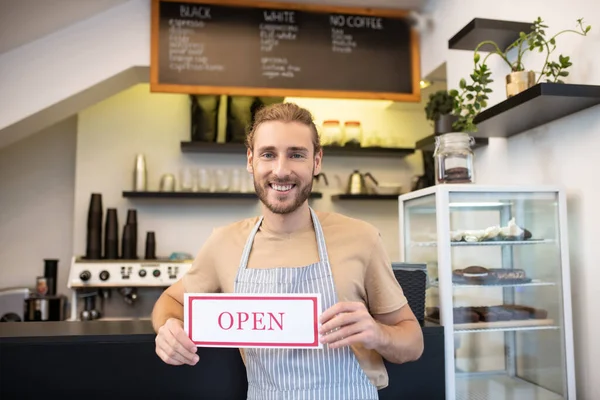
[(490, 243), (499, 285), (338, 197), (536, 106), (501, 326), (499, 387), (199, 195), (508, 327), (240, 148)]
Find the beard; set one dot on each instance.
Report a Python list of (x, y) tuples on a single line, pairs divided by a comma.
[(286, 203)]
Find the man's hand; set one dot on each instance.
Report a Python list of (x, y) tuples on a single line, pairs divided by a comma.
[(173, 346), (349, 323)]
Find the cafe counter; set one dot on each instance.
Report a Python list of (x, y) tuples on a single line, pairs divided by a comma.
[(116, 358)]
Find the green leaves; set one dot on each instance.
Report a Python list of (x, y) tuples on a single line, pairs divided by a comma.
[(440, 103), (473, 95), (554, 69)]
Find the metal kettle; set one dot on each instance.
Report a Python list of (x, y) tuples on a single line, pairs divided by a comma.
[(357, 183), (317, 185)]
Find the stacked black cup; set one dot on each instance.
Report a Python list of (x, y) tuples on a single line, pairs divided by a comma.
[(111, 235), (129, 244), (51, 274), (94, 228), (150, 253)]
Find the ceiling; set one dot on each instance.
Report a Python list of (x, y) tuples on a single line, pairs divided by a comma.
[(23, 21)]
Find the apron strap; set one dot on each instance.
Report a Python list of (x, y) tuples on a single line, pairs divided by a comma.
[(248, 246), (322, 247), (320, 237)]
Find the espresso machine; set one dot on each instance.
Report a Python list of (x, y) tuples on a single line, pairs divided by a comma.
[(120, 289), (111, 281)]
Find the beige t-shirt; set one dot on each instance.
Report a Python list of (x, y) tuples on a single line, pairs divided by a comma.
[(359, 263)]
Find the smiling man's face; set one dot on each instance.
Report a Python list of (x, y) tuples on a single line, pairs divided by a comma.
[(284, 164)]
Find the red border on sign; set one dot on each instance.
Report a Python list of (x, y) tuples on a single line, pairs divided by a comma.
[(258, 344)]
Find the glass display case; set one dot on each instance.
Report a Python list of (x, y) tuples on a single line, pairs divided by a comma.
[(499, 282)]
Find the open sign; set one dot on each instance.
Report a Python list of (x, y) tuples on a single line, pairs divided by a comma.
[(253, 320)]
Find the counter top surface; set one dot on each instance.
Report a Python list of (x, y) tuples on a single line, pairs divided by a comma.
[(116, 331), (109, 358)]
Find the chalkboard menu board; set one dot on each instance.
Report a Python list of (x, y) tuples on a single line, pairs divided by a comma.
[(280, 49)]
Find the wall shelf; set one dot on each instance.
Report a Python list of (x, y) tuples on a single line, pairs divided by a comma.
[(480, 29), (199, 195), (536, 106), (240, 148), (339, 197), (428, 143)]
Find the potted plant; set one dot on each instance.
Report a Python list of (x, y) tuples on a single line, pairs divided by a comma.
[(473, 96), (439, 109), (520, 77)]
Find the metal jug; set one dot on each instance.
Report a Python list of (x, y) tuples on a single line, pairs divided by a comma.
[(357, 183), (317, 185)]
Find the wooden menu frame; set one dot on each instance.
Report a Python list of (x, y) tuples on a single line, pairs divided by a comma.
[(156, 86)]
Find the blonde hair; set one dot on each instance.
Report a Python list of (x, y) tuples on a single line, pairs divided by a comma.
[(284, 112)]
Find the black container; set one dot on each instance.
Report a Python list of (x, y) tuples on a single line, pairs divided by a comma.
[(45, 308), (111, 235), (133, 238), (204, 117), (128, 246), (413, 280), (444, 124), (51, 274), (94, 228), (150, 253)]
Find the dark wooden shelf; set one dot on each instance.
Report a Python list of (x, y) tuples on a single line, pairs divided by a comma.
[(480, 29), (367, 151), (536, 106), (199, 195), (364, 197), (240, 148), (428, 143)]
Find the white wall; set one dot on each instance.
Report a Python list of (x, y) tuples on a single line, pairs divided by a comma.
[(82, 55), (136, 121), (37, 177), (562, 152)]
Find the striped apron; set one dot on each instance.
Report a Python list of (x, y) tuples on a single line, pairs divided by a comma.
[(328, 374)]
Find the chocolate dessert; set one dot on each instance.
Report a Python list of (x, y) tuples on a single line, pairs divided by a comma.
[(503, 274), (465, 315), (529, 312), (507, 312), (456, 175), (476, 274)]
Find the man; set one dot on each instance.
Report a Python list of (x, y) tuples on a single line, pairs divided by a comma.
[(365, 314)]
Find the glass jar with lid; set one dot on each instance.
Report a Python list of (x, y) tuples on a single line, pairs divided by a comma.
[(333, 133), (352, 133), (454, 158)]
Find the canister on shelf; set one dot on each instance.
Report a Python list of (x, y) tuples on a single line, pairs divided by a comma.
[(454, 159), (353, 134), (41, 286), (333, 133)]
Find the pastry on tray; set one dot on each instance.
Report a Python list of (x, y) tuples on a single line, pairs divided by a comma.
[(506, 312), (510, 232), (477, 275)]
